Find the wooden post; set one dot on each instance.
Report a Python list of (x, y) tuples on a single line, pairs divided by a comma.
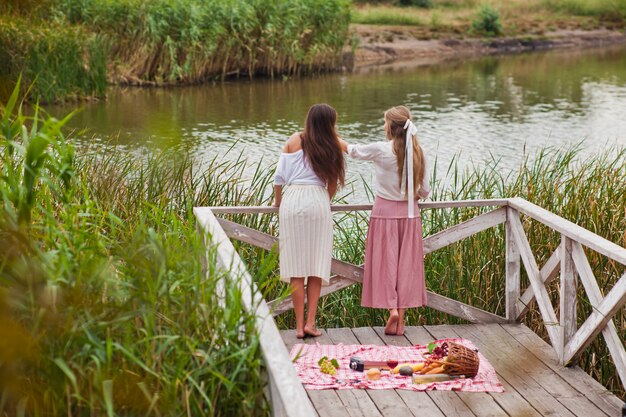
[(512, 268), (568, 295)]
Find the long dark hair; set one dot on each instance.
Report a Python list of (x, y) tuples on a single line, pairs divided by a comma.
[(320, 144)]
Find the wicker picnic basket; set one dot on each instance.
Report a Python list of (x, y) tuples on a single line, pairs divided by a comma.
[(461, 360)]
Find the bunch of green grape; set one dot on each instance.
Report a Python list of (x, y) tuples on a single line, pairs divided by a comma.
[(328, 366)]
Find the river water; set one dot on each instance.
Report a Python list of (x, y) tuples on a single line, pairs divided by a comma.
[(472, 111)]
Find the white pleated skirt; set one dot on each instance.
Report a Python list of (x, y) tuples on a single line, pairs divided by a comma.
[(306, 233)]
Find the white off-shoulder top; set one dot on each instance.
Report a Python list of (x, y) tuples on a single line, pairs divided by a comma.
[(386, 182), (293, 168)]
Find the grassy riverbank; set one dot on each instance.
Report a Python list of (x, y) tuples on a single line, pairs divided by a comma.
[(165, 41), (462, 18), (71, 49)]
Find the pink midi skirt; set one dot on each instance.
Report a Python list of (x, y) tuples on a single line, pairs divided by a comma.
[(394, 258)]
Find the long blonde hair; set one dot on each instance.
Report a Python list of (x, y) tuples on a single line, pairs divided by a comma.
[(396, 118)]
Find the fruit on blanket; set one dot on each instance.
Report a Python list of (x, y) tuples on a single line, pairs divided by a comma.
[(429, 366), (406, 371), (415, 366), (328, 366), (373, 374), (418, 366), (437, 370)]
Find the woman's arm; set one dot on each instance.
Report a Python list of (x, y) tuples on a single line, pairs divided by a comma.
[(424, 189), (365, 152), (278, 194), (279, 179), (332, 189)]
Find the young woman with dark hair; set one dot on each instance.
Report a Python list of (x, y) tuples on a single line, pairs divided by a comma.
[(394, 254), (311, 167)]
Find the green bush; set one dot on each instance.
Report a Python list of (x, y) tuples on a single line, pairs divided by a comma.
[(487, 21), (57, 60)]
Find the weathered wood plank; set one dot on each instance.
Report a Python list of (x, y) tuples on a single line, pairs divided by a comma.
[(571, 230), (362, 207), (548, 272), (463, 230), (598, 320), (568, 293), (275, 355), (510, 400), (513, 280), (555, 385), (612, 338), (450, 403), (512, 370), (391, 340), (418, 335), (575, 376), (541, 294), (327, 403), (420, 403)]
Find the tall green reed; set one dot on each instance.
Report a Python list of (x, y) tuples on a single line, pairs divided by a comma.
[(103, 302), (75, 46), (57, 61)]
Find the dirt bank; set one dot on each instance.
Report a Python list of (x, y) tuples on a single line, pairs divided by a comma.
[(399, 45)]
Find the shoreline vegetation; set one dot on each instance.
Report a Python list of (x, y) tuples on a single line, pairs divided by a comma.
[(102, 292), (75, 48)]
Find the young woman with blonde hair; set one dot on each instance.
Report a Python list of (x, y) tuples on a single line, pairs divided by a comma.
[(394, 255), (310, 168)]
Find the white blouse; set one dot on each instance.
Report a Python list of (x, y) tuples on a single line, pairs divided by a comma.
[(386, 183), (293, 168)]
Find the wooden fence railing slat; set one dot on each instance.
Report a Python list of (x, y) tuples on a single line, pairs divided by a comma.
[(596, 322), (464, 230), (541, 294), (571, 230), (568, 292), (548, 272), (500, 202), (612, 338), (512, 270)]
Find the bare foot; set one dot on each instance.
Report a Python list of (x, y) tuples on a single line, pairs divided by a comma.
[(400, 329), (311, 331), (392, 324), (300, 334)]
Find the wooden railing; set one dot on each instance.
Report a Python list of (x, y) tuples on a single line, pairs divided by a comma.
[(568, 260)]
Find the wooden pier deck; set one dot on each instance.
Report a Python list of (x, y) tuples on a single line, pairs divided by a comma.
[(535, 383), (535, 374)]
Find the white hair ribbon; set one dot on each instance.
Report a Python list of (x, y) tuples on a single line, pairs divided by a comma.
[(407, 169)]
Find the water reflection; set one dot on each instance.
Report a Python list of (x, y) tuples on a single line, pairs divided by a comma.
[(489, 106)]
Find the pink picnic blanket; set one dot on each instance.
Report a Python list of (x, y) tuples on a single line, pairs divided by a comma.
[(309, 371)]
